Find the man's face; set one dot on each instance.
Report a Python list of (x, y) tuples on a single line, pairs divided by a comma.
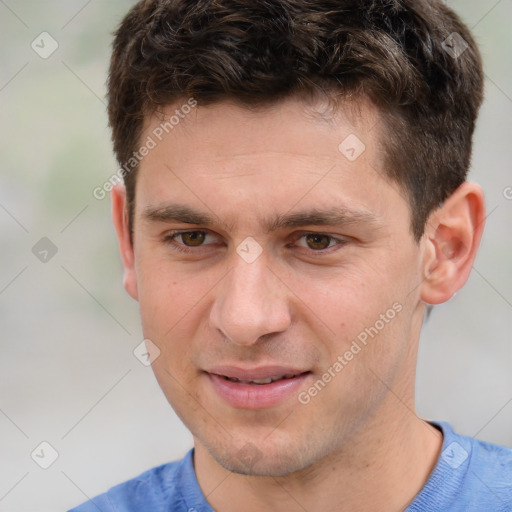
[(219, 310)]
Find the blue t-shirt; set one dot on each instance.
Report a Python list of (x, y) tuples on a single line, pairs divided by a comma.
[(470, 476)]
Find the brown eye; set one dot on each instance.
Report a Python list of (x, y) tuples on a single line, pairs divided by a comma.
[(318, 241), (193, 238)]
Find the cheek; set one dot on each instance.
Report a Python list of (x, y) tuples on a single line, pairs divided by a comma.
[(164, 291), (365, 308), (173, 305), (345, 298)]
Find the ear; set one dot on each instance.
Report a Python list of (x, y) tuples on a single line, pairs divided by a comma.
[(452, 236), (120, 219)]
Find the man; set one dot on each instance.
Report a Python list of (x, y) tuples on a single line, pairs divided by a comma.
[(294, 199)]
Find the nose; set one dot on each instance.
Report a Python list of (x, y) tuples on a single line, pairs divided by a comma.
[(251, 302)]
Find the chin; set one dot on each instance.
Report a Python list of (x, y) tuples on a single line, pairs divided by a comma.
[(264, 458)]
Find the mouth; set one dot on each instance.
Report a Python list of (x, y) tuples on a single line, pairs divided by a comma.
[(257, 388), (259, 382)]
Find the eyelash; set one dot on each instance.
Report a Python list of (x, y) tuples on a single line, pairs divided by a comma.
[(171, 236)]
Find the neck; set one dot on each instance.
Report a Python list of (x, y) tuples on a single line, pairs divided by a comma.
[(382, 466)]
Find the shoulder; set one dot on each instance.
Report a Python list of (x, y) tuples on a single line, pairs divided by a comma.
[(469, 476), (487, 470), (492, 464), (159, 488)]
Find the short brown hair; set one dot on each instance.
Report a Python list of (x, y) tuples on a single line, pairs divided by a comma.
[(414, 59)]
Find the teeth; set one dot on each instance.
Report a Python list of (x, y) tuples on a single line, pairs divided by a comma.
[(268, 380), (261, 381)]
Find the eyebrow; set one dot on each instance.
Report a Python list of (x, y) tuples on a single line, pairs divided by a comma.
[(336, 216)]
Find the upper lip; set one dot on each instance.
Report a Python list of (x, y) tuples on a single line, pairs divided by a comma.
[(262, 372)]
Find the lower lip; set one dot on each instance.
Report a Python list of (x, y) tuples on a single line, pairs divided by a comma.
[(256, 396)]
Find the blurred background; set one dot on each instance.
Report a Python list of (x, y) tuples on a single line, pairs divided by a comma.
[(68, 330)]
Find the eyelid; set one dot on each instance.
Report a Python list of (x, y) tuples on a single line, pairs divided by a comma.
[(340, 240), (170, 239)]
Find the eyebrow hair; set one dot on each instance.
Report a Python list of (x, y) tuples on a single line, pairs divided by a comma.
[(330, 216)]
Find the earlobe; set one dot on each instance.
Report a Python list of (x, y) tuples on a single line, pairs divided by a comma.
[(121, 224), (452, 237)]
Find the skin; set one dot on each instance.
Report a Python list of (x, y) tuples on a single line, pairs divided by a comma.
[(358, 444)]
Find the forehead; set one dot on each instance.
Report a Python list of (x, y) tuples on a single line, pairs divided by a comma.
[(298, 122), (229, 159)]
